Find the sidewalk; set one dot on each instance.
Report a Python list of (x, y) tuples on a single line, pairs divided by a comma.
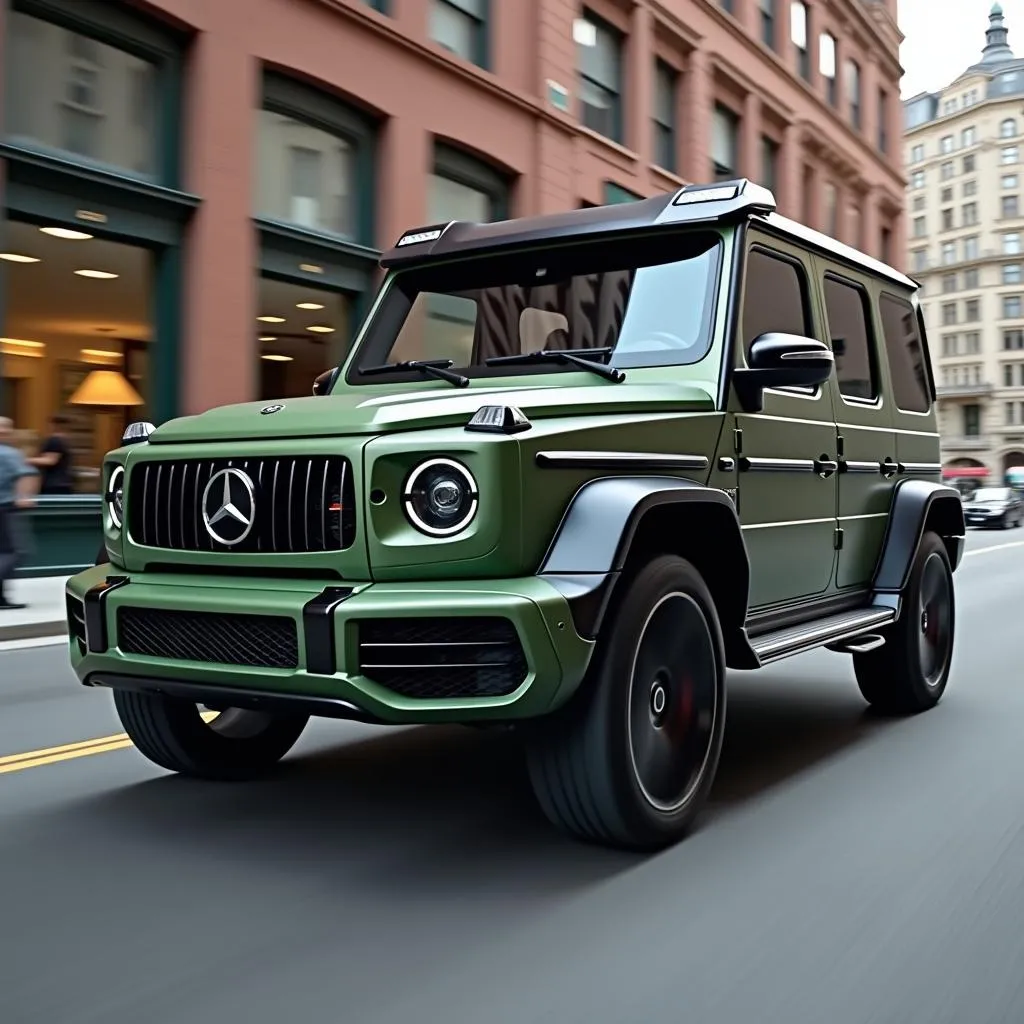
[(45, 614)]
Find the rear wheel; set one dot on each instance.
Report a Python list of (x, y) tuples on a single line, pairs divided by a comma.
[(909, 674), (234, 744), (630, 761)]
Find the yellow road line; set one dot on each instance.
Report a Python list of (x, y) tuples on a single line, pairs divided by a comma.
[(70, 751)]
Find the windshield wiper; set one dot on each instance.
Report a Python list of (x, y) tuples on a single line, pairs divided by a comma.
[(436, 368), (566, 357)]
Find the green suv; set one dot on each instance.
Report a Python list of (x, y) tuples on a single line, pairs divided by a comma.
[(573, 468)]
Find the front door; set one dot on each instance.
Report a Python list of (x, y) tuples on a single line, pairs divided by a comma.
[(787, 484)]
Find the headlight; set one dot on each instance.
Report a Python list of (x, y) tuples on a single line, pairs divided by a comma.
[(115, 497), (440, 497)]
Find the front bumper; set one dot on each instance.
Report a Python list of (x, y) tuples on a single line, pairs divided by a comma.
[(321, 665)]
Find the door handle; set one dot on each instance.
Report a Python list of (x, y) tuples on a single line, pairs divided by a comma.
[(889, 468), (825, 467)]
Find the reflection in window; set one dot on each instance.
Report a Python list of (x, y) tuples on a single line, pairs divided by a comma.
[(459, 26), (906, 354), (305, 175), (59, 326), (724, 136), (68, 92), (599, 61), (847, 309), (774, 298), (300, 332)]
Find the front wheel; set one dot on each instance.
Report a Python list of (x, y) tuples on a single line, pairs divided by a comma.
[(236, 745), (909, 673), (630, 761)]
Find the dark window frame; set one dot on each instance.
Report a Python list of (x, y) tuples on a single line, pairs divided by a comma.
[(481, 56), (871, 337), (618, 93), (455, 164)]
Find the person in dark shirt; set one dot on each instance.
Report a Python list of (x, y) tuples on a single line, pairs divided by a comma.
[(54, 460)]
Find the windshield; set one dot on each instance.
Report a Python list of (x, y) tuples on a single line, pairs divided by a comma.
[(650, 302), (992, 494)]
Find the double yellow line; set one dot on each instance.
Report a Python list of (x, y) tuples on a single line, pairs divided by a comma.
[(70, 751)]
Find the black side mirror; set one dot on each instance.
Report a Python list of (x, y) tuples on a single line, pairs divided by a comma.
[(324, 384), (781, 361)]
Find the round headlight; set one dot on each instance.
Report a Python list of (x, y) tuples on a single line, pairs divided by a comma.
[(115, 497), (440, 497)]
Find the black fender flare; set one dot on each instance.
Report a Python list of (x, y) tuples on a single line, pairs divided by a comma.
[(603, 525), (918, 505)]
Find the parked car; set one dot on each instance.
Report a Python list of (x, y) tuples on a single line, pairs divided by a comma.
[(573, 468), (994, 506)]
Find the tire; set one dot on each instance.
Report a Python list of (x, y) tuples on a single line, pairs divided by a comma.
[(909, 674), (236, 745), (654, 697)]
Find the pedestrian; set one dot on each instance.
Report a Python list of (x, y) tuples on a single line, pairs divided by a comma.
[(54, 459), (17, 488)]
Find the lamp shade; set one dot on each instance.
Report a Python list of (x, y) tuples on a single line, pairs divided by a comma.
[(105, 387)]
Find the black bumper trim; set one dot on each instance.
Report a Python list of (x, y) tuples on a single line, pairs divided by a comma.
[(587, 595), (96, 635), (318, 629), (214, 696)]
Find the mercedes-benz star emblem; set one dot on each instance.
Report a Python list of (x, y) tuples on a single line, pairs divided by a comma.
[(269, 410), (229, 506)]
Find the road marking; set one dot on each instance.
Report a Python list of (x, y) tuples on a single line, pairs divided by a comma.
[(995, 547), (69, 751)]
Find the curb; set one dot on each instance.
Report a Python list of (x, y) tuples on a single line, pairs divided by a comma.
[(33, 630)]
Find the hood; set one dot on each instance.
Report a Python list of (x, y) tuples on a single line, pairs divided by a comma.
[(352, 411)]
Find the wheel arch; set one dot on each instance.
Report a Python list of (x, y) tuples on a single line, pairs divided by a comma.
[(614, 524), (918, 506)]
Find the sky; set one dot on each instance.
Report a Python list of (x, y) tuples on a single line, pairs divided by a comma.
[(944, 37)]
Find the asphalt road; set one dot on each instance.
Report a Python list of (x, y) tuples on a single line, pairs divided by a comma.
[(850, 870)]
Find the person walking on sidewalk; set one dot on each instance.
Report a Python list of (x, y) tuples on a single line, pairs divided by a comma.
[(17, 486)]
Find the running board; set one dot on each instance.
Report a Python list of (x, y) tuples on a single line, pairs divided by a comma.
[(833, 629), (859, 644)]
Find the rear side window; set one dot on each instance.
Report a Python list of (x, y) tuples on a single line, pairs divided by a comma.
[(848, 311), (906, 354), (774, 299)]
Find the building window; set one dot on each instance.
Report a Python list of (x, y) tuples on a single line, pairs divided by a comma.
[(950, 344), (769, 162), (918, 203), (768, 23), (970, 188), (972, 420), (1011, 307), (947, 170), (969, 163), (1013, 341), (949, 106), (1010, 413), (968, 137), (971, 278), (461, 187), (920, 228), (1009, 206), (969, 214), (827, 65), (1011, 244), (600, 71), (883, 121), (972, 343), (1008, 155), (971, 247), (665, 85), (946, 195), (948, 253), (724, 135), (798, 35), (907, 366), (460, 27), (916, 154), (972, 311), (1008, 181), (917, 179), (919, 259), (946, 144), (1008, 375), (948, 283), (853, 92), (948, 314), (313, 162), (92, 101), (947, 219), (1011, 273), (1007, 128)]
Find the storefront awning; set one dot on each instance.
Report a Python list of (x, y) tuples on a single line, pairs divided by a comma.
[(952, 472)]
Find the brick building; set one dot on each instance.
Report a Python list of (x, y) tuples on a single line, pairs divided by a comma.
[(223, 171)]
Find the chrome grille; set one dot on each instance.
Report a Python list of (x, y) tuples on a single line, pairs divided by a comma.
[(302, 504)]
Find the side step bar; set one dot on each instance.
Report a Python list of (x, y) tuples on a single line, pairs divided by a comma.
[(830, 631)]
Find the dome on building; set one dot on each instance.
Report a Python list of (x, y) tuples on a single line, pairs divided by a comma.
[(996, 49)]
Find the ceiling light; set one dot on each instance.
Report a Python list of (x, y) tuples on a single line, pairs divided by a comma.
[(309, 305), (274, 358), (100, 355), (99, 275), (20, 347), (68, 233), (268, 337), (270, 319), (320, 329), (17, 257)]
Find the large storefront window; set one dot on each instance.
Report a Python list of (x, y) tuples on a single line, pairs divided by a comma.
[(75, 305), (300, 332), (68, 92)]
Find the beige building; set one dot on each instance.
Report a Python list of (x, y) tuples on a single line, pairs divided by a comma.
[(964, 150)]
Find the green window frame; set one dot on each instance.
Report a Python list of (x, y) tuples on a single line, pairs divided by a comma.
[(614, 194)]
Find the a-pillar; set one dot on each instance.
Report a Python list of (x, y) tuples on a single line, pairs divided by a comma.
[(218, 353)]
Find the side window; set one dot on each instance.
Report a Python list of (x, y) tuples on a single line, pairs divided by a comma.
[(848, 311), (774, 298), (906, 354)]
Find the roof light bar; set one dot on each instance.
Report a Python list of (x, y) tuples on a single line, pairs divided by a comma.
[(420, 236), (715, 194)]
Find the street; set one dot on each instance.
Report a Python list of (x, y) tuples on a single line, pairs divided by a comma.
[(850, 869)]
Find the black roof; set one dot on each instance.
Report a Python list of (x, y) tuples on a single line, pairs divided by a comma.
[(691, 206)]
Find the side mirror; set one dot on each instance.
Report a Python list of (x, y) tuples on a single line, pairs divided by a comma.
[(324, 384), (781, 361), (137, 432)]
